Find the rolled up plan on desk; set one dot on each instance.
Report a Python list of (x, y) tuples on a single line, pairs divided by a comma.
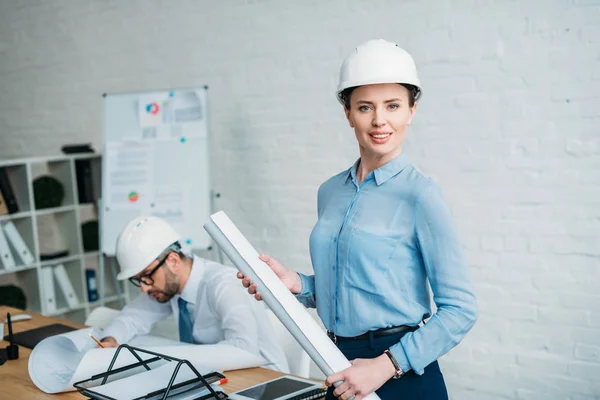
[(280, 300)]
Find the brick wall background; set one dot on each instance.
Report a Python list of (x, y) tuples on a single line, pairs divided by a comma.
[(509, 126)]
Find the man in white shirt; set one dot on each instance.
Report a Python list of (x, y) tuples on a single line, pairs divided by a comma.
[(209, 304)]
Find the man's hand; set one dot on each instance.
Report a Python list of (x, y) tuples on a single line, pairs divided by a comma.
[(109, 342), (290, 278), (363, 378)]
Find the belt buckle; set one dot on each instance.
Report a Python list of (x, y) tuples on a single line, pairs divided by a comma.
[(332, 336)]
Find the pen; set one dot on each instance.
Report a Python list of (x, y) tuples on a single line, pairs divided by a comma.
[(10, 332), (96, 340)]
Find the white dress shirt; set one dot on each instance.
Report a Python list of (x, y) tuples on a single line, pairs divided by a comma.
[(221, 310)]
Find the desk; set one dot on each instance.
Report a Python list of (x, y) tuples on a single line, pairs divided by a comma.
[(14, 375)]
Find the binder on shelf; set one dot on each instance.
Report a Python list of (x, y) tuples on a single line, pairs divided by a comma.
[(49, 295), (177, 385), (92, 286), (85, 188), (3, 206), (7, 192), (18, 243), (5, 254), (66, 286)]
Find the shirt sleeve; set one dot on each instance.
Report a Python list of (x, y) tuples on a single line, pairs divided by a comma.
[(231, 303), (307, 296), (137, 318), (448, 275)]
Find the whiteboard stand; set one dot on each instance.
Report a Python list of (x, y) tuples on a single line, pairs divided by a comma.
[(214, 244), (113, 277), (101, 261)]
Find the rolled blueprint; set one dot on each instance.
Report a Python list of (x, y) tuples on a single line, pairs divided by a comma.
[(277, 296)]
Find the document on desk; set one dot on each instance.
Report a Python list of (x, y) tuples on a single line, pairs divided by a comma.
[(57, 362), (292, 314)]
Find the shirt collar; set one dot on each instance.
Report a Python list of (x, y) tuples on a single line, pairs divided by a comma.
[(385, 172), (190, 291), (352, 171)]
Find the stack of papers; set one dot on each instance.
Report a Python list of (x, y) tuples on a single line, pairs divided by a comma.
[(58, 362)]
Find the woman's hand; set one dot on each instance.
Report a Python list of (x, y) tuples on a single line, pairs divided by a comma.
[(365, 376), (290, 278)]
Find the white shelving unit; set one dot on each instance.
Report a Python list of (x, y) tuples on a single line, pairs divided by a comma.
[(44, 228)]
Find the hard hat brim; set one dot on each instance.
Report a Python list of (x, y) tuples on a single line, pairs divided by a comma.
[(127, 274), (348, 85)]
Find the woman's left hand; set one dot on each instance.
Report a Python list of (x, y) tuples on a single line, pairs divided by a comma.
[(365, 376)]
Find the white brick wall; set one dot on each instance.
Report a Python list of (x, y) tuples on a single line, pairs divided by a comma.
[(509, 126)]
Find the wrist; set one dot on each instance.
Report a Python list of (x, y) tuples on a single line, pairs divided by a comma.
[(387, 366), (297, 286), (395, 365)]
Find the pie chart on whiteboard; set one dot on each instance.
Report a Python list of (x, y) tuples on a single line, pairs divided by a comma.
[(133, 196), (152, 108)]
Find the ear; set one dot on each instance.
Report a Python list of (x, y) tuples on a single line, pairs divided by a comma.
[(413, 111), (347, 112), (174, 261)]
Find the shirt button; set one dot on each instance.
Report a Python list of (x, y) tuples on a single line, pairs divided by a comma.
[(334, 240), (333, 267)]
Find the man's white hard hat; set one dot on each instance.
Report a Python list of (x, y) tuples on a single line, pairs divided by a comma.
[(141, 241)]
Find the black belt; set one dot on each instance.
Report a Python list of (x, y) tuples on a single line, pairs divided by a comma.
[(376, 334)]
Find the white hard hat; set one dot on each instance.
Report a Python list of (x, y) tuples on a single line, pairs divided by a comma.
[(378, 61), (141, 242)]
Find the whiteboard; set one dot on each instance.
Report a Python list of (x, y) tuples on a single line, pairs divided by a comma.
[(155, 162)]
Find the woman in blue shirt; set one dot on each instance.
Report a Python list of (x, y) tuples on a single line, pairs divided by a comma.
[(383, 233)]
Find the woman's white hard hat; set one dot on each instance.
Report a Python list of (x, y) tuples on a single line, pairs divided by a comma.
[(378, 61)]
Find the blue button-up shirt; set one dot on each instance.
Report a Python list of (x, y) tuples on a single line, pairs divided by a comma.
[(373, 250)]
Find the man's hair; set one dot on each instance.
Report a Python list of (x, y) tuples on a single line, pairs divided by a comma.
[(174, 248)]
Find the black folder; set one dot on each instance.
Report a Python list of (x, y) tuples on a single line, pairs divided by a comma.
[(32, 337), (7, 192)]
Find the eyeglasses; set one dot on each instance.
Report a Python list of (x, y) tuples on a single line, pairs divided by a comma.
[(146, 279)]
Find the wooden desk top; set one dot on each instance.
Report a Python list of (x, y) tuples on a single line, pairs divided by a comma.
[(14, 376)]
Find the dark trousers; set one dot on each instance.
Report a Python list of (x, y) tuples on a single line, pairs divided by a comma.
[(429, 386)]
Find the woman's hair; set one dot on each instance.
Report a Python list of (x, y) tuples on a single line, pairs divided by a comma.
[(413, 91)]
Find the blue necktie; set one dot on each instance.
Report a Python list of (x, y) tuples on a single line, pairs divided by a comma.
[(186, 327)]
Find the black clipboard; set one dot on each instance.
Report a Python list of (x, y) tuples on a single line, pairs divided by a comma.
[(32, 337), (86, 387)]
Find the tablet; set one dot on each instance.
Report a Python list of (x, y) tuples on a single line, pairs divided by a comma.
[(285, 387)]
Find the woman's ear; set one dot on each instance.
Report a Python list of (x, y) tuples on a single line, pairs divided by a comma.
[(347, 112), (413, 111)]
